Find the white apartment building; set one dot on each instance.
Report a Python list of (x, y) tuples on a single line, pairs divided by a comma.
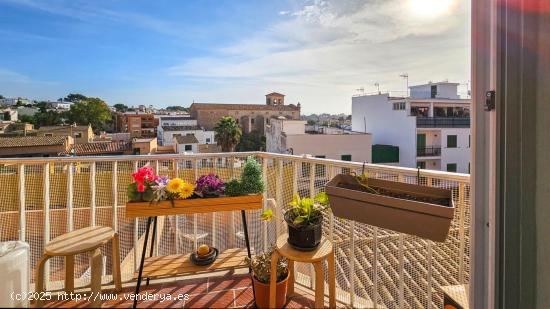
[(172, 126), (430, 128), (13, 101), (290, 136)]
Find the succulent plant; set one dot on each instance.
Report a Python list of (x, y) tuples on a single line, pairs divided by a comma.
[(261, 267)]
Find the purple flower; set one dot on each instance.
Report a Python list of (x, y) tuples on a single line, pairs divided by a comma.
[(209, 185)]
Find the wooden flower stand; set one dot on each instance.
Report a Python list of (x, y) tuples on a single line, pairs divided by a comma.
[(174, 265)]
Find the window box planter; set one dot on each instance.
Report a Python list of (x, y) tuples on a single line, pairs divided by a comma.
[(412, 209), (194, 205)]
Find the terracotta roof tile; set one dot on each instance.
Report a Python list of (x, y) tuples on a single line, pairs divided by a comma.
[(31, 141), (186, 139), (98, 148)]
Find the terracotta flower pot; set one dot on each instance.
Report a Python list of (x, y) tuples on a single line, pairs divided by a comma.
[(262, 293)]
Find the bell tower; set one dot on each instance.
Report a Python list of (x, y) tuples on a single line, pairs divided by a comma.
[(275, 99)]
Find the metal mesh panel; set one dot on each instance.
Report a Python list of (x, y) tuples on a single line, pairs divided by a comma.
[(374, 266)]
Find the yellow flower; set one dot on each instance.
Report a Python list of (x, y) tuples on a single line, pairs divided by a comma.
[(175, 185), (186, 190)]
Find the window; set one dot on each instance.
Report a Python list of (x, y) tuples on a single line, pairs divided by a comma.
[(469, 168), (451, 141), (188, 147), (208, 140), (469, 141), (433, 93), (399, 106), (48, 134), (346, 157), (421, 165), (451, 167), (78, 135), (252, 121)]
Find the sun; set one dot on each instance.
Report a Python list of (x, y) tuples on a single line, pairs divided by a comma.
[(430, 8)]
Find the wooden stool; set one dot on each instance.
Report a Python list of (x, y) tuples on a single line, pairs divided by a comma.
[(80, 241), (316, 257)]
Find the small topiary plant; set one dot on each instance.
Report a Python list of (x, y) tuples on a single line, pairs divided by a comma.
[(251, 178)]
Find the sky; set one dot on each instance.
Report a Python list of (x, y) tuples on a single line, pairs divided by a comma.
[(169, 52)]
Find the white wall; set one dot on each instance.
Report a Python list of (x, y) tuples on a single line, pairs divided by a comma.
[(374, 114), (444, 91), (183, 121), (332, 146), (459, 155), (180, 148)]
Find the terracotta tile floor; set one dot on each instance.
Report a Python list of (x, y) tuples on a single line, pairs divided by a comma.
[(213, 292)]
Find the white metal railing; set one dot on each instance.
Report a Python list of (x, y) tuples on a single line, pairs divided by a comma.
[(42, 198)]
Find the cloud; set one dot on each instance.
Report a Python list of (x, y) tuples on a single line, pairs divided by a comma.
[(326, 49)]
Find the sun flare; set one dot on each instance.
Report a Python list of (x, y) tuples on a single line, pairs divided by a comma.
[(430, 8)]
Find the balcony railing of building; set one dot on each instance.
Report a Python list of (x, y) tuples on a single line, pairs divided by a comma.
[(442, 122), (432, 151), (42, 198)]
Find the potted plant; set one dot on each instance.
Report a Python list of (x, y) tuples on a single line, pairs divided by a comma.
[(304, 221), (152, 195), (261, 276), (251, 181), (408, 208)]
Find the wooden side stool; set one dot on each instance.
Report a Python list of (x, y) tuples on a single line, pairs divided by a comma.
[(80, 241), (316, 257)]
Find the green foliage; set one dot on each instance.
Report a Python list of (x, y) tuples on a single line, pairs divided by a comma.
[(251, 177), (1, 97), (177, 109), (75, 97), (253, 141), (120, 107), (48, 118), (307, 211), (261, 266), (134, 195), (26, 119), (92, 111), (233, 188), (227, 133)]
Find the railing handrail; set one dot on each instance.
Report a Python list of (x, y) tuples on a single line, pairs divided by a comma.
[(303, 158)]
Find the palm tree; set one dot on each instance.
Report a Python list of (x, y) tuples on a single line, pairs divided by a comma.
[(227, 133)]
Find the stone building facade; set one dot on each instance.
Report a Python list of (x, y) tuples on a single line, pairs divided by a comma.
[(251, 117)]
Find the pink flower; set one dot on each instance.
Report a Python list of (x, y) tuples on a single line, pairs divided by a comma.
[(140, 187)]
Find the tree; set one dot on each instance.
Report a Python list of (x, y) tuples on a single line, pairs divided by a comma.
[(120, 107), (253, 141), (48, 118), (177, 109), (26, 119), (227, 133), (75, 97), (92, 111), (1, 97), (311, 122)]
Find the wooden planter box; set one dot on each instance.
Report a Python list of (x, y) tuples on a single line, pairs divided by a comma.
[(191, 206), (426, 220)]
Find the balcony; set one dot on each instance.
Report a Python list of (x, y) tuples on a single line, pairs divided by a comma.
[(43, 198), (432, 151), (442, 122)]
